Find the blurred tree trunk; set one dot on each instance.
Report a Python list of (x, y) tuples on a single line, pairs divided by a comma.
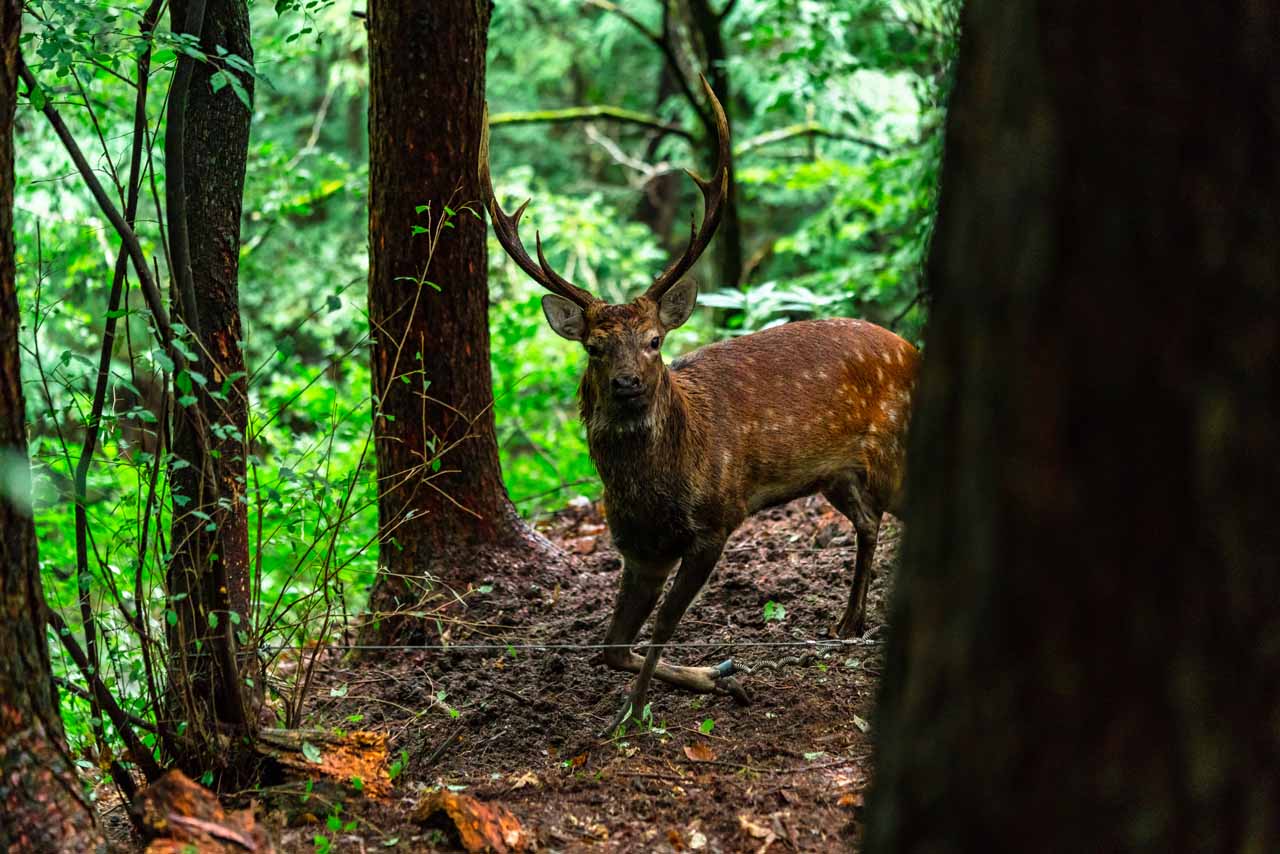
[(443, 509), (41, 808), (660, 200), (1085, 647), (707, 23), (212, 566)]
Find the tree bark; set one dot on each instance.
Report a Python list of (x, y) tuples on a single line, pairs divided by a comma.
[(442, 502), (1085, 646), (41, 806), (212, 566)]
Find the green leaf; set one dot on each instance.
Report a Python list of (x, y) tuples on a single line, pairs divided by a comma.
[(312, 753), (774, 612), (213, 619), (706, 726)]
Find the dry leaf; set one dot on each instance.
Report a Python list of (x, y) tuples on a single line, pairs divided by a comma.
[(757, 830), (589, 530), (481, 826), (850, 799), (582, 545), (861, 723), (675, 840), (579, 760), (699, 752), (528, 778), (697, 840)]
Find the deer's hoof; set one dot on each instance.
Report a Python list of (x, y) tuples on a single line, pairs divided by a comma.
[(733, 688), (852, 626)]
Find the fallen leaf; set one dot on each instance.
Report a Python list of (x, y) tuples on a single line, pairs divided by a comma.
[(757, 830), (582, 545), (579, 760), (481, 826), (589, 530), (861, 723), (697, 840), (675, 840), (700, 752), (850, 799), (528, 778)]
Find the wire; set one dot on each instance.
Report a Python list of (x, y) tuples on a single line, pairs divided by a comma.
[(504, 647)]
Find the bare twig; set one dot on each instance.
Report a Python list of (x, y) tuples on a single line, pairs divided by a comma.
[(583, 114), (663, 43), (806, 129)]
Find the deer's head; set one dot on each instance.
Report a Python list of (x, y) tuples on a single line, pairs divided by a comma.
[(623, 341)]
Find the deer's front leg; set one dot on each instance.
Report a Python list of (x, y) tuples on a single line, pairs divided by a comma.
[(637, 594), (694, 570)]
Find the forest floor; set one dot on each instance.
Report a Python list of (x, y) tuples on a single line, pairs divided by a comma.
[(518, 728)]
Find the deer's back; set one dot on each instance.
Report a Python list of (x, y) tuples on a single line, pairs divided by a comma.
[(790, 410)]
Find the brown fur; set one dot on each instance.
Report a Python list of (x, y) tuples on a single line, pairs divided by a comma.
[(742, 424)]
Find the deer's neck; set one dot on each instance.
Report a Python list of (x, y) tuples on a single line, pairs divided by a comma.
[(625, 446)]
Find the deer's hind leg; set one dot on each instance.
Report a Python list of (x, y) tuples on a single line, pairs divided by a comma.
[(855, 499)]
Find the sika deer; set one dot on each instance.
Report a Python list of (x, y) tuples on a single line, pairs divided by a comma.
[(687, 452)]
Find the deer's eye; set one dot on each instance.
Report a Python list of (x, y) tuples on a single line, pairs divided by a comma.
[(653, 345), (594, 350)]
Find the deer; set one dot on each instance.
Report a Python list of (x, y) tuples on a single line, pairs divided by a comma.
[(687, 451)]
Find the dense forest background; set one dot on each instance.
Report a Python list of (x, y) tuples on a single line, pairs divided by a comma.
[(836, 111)]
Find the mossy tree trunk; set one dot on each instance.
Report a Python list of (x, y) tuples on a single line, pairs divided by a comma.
[(442, 503), (1085, 646), (41, 805)]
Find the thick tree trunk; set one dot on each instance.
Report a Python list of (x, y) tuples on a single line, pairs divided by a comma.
[(212, 566), (442, 502), (41, 808), (1085, 653)]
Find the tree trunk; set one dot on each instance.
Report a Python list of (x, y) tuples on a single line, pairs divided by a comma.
[(707, 23), (1085, 653), (212, 566), (41, 808), (442, 504), (660, 201)]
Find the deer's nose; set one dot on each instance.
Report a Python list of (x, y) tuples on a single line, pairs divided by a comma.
[(626, 385)]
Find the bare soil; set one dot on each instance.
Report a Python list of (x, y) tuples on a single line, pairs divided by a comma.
[(786, 773), (792, 765)]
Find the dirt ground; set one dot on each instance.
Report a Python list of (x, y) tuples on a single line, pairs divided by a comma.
[(786, 773)]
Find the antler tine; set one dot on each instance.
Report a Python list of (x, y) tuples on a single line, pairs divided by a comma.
[(713, 191), (507, 229)]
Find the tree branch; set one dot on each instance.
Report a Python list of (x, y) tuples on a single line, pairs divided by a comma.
[(806, 129), (663, 43), (150, 768), (581, 114)]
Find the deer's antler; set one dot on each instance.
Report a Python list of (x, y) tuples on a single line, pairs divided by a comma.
[(713, 195)]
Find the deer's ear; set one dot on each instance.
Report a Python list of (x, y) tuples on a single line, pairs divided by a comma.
[(677, 304), (565, 317)]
